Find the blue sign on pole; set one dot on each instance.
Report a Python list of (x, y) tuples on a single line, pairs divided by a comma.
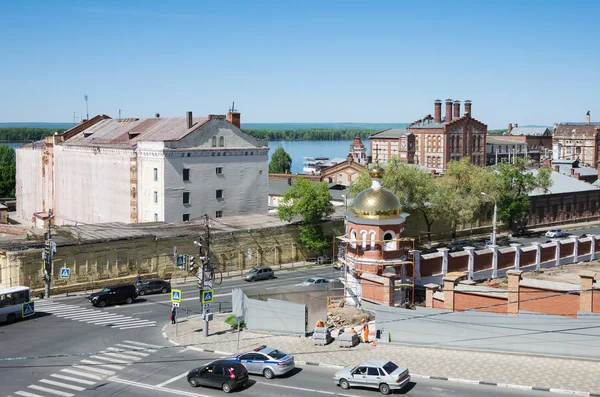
[(28, 309), (176, 295), (180, 261), (65, 272), (208, 296)]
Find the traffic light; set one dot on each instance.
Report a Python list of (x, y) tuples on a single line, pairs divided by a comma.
[(191, 263)]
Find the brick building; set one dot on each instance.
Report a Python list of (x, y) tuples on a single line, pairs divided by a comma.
[(432, 141), (577, 141)]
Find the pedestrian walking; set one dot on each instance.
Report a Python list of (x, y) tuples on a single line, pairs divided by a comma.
[(365, 330), (138, 278), (174, 316)]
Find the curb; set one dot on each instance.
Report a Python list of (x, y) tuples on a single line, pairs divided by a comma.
[(432, 377)]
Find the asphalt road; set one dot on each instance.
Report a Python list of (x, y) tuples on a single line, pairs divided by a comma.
[(72, 349)]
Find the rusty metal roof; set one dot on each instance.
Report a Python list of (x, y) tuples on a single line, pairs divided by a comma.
[(126, 133)]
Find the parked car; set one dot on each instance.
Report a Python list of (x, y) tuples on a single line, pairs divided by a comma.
[(125, 293), (266, 361), (259, 273), (222, 374), (315, 281), (584, 235), (555, 233), (375, 374), (152, 286)]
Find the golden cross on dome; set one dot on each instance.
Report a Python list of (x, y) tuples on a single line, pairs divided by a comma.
[(377, 154)]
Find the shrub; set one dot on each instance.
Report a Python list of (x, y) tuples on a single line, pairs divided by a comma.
[(234, 324)]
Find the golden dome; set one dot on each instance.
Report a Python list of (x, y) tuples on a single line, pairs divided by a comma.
[(376, 172), (376, 204)]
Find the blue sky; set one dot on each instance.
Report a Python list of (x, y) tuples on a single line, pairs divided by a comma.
[(526, 62)]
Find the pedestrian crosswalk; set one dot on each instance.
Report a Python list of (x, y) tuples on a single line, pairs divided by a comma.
[(89, 371), (92, 316)]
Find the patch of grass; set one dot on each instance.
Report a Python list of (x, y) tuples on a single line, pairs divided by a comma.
[(234, 324)]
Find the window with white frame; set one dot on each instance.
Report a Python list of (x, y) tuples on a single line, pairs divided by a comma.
[(155, 197), (155, 217), (389, 238), (353, 238), (155, 174), (372, 240), (363, 235)]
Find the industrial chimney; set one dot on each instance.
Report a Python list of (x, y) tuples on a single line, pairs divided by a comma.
[(588, 118), (190, 120), (468, 107), (448, 110), (456, 110), (437, 113)]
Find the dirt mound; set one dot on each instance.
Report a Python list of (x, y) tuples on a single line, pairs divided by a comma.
[(350, 315)]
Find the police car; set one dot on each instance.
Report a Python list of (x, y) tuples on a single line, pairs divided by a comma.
[(265, 361)]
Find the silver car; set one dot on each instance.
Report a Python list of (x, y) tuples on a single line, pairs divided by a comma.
[(259, 273), (376, 374), (315, 281), (265, 361)]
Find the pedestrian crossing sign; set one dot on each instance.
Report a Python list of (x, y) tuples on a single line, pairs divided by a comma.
[(65, 272), (208, 296), (28, 309), (176, 295)]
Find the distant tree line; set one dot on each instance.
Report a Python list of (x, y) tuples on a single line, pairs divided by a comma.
[(16, 134), (312, 134), (497, 132)]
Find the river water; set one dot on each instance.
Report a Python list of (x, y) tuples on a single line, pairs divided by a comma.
[(296, 149)]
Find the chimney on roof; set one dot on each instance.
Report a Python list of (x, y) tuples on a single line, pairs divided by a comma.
[(510, 127), (234, 117), (572, 171), (437, 105), (448, 110), (468, 107), (190, 120), (456, 110), (588, 118), (556, 168), (157, 115), (516, 125)]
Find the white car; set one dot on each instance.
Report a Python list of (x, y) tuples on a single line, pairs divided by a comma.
[(377, 374), (555, 233), (315, 281)]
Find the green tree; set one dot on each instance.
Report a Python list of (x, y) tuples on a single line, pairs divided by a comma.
[(280, 161), (312, 202), (517, 181), (361, 183), (8, 170), (460, 189)]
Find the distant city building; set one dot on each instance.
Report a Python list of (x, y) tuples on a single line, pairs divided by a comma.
[(537, 138), (432, 141), (144, 170), (577, 141), (499, 150)]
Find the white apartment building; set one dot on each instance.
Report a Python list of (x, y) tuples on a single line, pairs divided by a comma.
[(144, 170)]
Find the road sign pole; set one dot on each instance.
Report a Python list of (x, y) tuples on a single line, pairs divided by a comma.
[(176, 322)]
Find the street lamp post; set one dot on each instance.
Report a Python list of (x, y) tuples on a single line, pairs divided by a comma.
[(494, 219)]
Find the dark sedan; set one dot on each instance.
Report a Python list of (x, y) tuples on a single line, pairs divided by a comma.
[(222, 374), (152, 286)]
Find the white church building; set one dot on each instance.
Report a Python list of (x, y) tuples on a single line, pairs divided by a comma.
[(143, 170)]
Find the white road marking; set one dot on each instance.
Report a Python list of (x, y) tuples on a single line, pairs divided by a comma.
[(138, 348), (84, 374), (162, 389), (138, 326), (94, 369), (85, 316), (51, 391), (172, 379), (27, 394), (112, 320), (138, 353), (99, 321), (63, 385), (114, 349), (117, 367), (73, 379), (126, 357), (110, 359), (137, 314), (142, 344)]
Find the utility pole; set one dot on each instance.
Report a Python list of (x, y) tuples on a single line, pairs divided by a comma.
[(204, 272), (49, 251)]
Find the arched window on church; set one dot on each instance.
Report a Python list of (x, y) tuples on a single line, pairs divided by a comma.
[(363, 235), (214, 141), (353, 238), (389, 239), (221, 141), (372, 240)]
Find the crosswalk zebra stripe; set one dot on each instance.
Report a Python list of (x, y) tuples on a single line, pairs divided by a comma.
[(143, 344), (134, 347), (128, 352), (126, 357), (138, 326), (117, 367), (105, 319), (110, 359), (51, 391), (73, 379), (84, 374), (27, 394), (116, 321), (135, 322), (94, 369), (88, 315), (63, 385)]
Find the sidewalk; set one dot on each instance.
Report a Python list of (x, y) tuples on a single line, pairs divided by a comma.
[(562, 375)]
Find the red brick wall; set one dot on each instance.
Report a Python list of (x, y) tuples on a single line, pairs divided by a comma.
[(596, 302), (548, 253), (482, 261), (584, 248), (372, 290), (566, 250), (431, 266), (557, 303), (527, 258), (458, 264), (438, 304), (507, 259), (463, 301)]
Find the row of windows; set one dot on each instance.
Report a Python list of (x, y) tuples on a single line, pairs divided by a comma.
[(186, 217), (221, 141), (389, 239), (187, 196), (186, 173)]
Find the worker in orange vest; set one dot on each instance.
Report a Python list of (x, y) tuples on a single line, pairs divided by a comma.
[(320, 324), (365, 330)]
